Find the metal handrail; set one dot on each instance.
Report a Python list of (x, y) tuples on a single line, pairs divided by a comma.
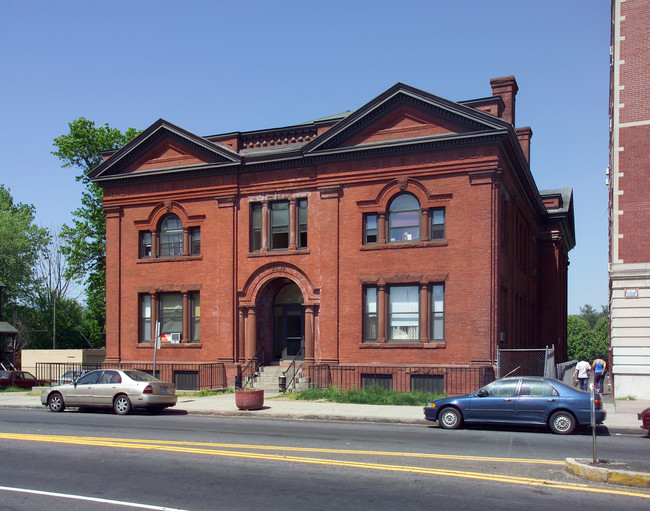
[(250, 370), (291, 382)]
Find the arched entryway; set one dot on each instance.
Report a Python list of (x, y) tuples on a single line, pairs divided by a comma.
[(288, 322)]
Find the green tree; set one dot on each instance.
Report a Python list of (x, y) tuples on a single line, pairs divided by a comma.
[(21, 242), (588, 334), (85, 240)]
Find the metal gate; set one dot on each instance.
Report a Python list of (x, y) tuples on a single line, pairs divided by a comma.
[(526, 362)]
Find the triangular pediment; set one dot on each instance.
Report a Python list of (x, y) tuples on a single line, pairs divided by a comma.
[(164, 147), (403, 113)]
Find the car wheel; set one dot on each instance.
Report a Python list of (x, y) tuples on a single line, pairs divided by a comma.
[(122, 405), (562, 423), (55, 402), (450, 418)]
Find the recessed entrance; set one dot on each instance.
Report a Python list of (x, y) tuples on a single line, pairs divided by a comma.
[(288, 322)]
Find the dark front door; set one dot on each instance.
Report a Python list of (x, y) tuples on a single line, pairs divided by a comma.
[(289, 330)]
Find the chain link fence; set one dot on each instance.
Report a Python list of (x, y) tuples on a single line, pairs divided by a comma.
[(526, 362)]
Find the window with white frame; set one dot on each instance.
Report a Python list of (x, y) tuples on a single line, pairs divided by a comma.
[(404, 216), (171, 237)]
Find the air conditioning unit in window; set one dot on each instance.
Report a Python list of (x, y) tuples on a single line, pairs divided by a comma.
[(176, 337)]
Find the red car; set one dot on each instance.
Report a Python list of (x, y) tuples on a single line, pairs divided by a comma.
[(644, 417), (20, 379)]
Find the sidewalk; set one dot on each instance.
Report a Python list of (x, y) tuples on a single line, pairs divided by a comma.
[(621, 415)]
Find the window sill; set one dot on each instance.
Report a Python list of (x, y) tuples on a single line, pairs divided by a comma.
[(283, 253), (169, 345), (406, 244), (403, 345), (153, 260)]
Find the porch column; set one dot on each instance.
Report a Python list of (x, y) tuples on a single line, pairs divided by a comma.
[(309, 333), (381, 228), (265, 226), (241, 339), (292, 224), (424, 313), (381, 312), (252, 333)]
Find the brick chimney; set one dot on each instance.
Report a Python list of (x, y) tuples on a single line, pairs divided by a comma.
[(524, 135), (507, 88)]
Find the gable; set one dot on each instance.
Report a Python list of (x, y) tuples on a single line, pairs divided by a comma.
[(402, 123), (405, 113), (167, 154), (164, 147)]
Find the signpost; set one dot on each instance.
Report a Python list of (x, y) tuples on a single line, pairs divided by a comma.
[(156, 346)]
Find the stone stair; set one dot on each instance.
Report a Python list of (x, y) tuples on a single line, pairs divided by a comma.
[(268, 378)]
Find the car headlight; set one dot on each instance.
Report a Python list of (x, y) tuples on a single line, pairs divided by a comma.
[(431, 405)]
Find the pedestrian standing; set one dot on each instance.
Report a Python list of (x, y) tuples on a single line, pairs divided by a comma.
[(599, 366), (582, 371)]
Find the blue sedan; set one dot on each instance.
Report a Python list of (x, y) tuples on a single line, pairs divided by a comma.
[(519, 400)]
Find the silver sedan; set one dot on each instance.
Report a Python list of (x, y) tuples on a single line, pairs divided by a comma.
[(122, 390)]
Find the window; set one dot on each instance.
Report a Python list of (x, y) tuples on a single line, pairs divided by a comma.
[(195, 317), (403, 313), (171, 237), (280, 225), (195, 241), (402, 316), (437, 224), (404, 219), (177, 315), (145, 318), (370, 229), (256, 227), (370, 314), (437, 312), (145, 245), (302, 223), (171, 313)]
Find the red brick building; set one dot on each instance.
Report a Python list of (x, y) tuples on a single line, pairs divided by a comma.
[(629, 206), (409, 232)]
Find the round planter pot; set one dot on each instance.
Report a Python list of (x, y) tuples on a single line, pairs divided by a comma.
[(249, 399)]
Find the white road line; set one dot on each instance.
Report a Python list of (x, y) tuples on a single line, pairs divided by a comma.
[(89, 499)]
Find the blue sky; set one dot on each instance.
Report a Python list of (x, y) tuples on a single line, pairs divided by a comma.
[(214, 67)]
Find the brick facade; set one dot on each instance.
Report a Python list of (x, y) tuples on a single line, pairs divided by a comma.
[(482, 234), (629, 207)]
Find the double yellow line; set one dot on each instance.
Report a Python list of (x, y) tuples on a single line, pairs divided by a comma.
[(219, 449)]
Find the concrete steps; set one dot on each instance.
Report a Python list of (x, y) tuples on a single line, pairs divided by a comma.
[(268, 378)]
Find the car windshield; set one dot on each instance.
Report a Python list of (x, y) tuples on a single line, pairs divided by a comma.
[(5, 374), (140, 376)]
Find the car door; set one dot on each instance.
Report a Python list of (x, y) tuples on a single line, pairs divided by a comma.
[(81, 393), (106, 388), (535, 399), (494, 402)]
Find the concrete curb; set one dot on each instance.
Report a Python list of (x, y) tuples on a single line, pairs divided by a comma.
[(611, 472)]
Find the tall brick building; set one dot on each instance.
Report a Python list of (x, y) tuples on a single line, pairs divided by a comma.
[(629, 198), (409, 232)]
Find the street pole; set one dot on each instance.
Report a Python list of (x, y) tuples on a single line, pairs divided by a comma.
[(156, 345), (593, 416)]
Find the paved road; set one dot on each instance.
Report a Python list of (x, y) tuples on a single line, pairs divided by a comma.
[(195, 462)]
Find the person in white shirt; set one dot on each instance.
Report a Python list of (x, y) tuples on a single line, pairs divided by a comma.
[(582, 370)]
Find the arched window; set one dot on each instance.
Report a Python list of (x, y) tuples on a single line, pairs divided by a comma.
[(404, 216), (171, 237)]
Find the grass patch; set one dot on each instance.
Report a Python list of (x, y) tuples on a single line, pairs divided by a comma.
[(367, 396), (14, 389), (206, 392)]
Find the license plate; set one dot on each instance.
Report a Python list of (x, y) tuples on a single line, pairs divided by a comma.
[(164, 390)]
